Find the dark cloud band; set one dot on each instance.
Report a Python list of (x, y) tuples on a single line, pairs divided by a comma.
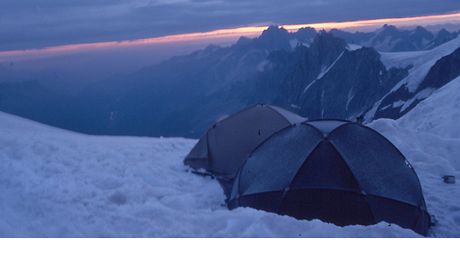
[(39, 23)]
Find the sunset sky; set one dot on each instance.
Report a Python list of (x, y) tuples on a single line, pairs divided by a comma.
[(48, 27)]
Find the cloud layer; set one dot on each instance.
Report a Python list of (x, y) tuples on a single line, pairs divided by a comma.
[(38, 23)]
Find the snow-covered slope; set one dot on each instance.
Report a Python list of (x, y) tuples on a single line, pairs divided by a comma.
[(421, 62), (410, 90), (429, 136), (55, 183), (438, 115)]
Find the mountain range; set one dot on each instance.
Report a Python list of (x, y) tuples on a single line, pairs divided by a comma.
[(317, 74), (391, 39)]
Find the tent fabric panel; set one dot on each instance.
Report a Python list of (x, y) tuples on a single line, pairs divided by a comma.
[(338, 207), (274, 164), (291, 117), (423, 223), (200, 150), (235, 192), (326, 126), (378, 166), (324, 168), (198, 156), (232, 140), (400, 213), (227, 185)]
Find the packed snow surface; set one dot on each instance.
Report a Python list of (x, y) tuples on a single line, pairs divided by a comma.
[(55, 183), (429, 136)]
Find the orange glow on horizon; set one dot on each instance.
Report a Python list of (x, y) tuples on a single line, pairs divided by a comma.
[(223, 34)]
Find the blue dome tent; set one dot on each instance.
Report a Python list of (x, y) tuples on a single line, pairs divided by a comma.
[(337, 171)]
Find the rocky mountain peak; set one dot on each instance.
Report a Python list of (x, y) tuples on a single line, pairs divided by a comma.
[(273, 38)]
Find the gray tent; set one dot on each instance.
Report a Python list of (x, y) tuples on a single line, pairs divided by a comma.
[(227, 144)]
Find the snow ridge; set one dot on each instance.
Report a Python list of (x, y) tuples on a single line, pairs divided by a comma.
[(324, 72)]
